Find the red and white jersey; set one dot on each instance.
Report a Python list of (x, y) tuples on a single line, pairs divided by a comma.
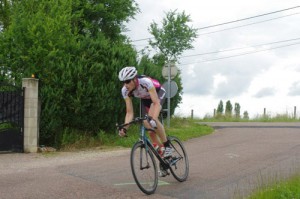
[(144, 84)]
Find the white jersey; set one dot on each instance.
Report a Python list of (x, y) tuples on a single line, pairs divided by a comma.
[(144, 84)]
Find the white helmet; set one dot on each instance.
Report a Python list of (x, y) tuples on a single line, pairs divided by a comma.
[(127, 73)]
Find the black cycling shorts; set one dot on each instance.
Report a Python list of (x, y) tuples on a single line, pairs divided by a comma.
[(146, 103)]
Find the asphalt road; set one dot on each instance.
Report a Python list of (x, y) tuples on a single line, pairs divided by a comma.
[(229, 163)]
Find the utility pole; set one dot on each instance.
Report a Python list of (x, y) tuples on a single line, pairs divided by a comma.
[(169, 95)]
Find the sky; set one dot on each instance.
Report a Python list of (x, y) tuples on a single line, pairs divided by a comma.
[(255, 62)]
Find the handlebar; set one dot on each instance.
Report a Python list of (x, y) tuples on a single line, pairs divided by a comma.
[(135, 120)]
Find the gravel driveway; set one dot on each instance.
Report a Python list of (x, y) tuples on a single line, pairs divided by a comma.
[(18, 162)]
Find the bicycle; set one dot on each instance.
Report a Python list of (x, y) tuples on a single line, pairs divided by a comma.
[(143, 164)]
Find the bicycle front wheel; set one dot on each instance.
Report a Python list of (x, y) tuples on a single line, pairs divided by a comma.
[(179, 164), (143, 168)]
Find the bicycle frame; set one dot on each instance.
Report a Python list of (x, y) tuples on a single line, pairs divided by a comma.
[(148, 145)]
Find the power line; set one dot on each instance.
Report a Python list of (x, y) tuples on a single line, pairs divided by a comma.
[(233, 49), (237, 26), (248, 18), (248, 24), (225, 23), (238, 55)]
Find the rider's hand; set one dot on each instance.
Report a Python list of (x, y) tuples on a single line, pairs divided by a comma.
[(122, 132)]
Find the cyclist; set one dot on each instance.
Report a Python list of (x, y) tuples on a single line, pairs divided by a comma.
[(152, 96)]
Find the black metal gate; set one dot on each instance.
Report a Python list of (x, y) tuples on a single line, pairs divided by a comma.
[(11, 118)]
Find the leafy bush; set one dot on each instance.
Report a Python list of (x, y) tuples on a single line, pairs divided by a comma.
[(76, 64)]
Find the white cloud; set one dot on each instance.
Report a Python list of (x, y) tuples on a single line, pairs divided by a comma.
[(295, 89), (219, 79), (264, 92)]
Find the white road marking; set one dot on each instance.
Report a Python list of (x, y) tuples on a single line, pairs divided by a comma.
[(232, 155), (160, 183)]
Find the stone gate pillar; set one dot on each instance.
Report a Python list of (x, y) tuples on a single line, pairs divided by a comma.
[(31, 120)]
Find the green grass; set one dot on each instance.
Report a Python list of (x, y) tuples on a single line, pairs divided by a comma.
[(277, 118), (184, 129), (258, 118), (285, 189)]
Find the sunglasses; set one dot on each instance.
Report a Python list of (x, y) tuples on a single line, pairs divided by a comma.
[(127, 81)]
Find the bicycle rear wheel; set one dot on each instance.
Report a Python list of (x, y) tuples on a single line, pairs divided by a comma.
[(179, 164), (143, 168)]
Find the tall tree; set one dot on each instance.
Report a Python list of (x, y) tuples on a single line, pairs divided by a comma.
[(228, 109), (172, 39), (237, 110), (220, 108), (246, 115)]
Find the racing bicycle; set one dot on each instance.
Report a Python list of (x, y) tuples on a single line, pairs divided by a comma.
[(142, 159)]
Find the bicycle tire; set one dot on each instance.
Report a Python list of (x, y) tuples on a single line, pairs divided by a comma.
[(144, 168), (179, 164)]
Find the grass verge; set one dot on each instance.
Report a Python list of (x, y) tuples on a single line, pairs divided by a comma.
[(258, 118), (182, 128), (285, 189)]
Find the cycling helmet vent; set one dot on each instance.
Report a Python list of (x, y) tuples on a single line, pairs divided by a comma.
[(127, 73)]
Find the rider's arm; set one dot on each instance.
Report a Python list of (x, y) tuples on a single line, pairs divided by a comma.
[(128, 117), (129, 110)]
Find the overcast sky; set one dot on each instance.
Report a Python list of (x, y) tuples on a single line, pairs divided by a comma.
[(257, 63)]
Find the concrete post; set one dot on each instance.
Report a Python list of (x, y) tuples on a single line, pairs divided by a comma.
[(31, 124)]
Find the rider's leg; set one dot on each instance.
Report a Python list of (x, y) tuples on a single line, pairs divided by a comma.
[(154, 138), (145, 106), (160, 131)]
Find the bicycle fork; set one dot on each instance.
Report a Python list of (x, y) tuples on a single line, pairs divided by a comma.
[(142, 161)]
